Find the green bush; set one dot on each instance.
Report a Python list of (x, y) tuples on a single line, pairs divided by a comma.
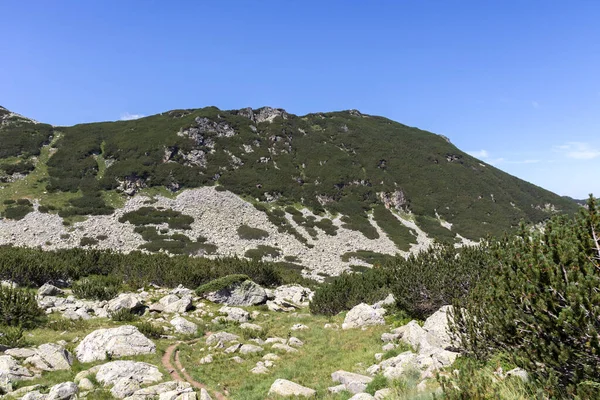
[(88, 241), (262, 251), (17, 212), (220, 283), (97, 287), (12, 336), (150, 330), (18, 307), (540, 302), (249, 233), (123, 315)]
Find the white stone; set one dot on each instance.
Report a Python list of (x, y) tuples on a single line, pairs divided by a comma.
[(363, 315), (287, 388), (125, 340)]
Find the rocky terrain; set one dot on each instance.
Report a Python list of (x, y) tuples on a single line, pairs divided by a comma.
[(199, 349)]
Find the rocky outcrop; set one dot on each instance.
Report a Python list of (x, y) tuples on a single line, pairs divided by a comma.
[(126, 377), (11, 371), (123, 341), (184, 326), (363, 315), (246, 293), (285, 388), (51, 357), (167, 390), (63, 391), (125, 301)]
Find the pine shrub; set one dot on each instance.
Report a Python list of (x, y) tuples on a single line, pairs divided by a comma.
[(97, 287), (541, 303), (18, 307)]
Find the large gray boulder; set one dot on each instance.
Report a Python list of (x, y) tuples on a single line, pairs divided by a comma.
[(151, 392), (221, 337), (127, 301), (172, 303), (184, 326), (126, 377), (235, 314), (285, 388), (246, 293), (51, 357), (48, 289), (125, 340), (354, 383), (363, 315), (63, 391), (296, 294), (437, 328), (11, 370)]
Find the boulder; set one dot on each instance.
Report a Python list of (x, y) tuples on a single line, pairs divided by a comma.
[(143, 372), (51, 357), (287, 388), (11, 370), (246, 293), (284, 347), (21, 352), (125, 340), (222, 337), (235, 314), (251, 327), (382, 394), (63, 391), (295, 342), (127, 301), (355, 383), (204, 395), (49, 290), (363, 315), (296, 294), (437, 328), (388, 301), (151, 392), (174, 304), (362, 396), (184, 326), (250, 348)]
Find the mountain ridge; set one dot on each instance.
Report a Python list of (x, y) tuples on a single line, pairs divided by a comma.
[(312, 176)]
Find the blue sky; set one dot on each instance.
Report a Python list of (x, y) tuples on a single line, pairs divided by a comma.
[(515, 83)]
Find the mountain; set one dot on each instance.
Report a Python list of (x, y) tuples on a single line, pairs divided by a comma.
[(323, 191)]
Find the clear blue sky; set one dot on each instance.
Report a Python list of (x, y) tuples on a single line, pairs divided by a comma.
[(515, 82)]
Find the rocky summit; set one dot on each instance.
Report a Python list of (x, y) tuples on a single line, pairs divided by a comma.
[(322, 192)]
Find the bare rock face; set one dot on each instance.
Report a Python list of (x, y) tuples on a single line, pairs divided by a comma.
[(246, 293), (395, 199), (51, 357), (363, 315), (263, 114), (285, 388), (125, 340), (63, 391)]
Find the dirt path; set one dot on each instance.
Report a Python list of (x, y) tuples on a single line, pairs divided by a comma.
[(179, 369)]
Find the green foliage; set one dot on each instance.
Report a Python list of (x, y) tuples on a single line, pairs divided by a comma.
[(23, 138), (123, 315), (12, 336), (262, 251), (379, 382), (249, 233), (150, 330), (540, 303), (395, 230), (367, 256), (90, 203), (221, 283), (23, 167), (97, 287), (17, 212), (18, 307), (87, 241), (34, 267), (152, 216)]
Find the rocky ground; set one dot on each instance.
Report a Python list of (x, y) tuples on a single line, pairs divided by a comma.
[(264, 347), (217, 216)]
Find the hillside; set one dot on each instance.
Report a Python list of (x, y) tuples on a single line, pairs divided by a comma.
[(324, 190)]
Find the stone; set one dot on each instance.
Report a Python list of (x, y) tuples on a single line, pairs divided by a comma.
[(63, 391), (49, 290), (389, 346), (232, 349), (184, 326), (437, 328), (299, 327), (11, 370), (206, 359), (276, 340), (251, 327), (170, 390), (296, 294), (204, 395), (126, 301), (519, 373), (246, 293), (223, 337), (295, 342), (271, 357), (336, 389), (362, 396), (85, 385), (363, 315), (388, 301), (285, 388), (235, 314), (143, 372), (125, 387), (51, 357), (414, 335), (125, 340), (281, 306), (35, 395), (250, 349), (173, 304), (382, 394), (284, 347), (237, 359), (260, 369), (22, 352), (355, 383), (389, 337)]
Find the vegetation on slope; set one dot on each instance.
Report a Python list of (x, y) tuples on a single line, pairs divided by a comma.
[(342, 162)]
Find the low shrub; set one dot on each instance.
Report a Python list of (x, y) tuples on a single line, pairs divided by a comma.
[(88, 241), (123, 315), (18, 307), (150, 330), (262, 251), (17, 212), (97, 287), (12, 336), (248, 233)]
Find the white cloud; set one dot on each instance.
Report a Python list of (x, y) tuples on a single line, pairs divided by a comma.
[(128, 117), (479, 154), (578, 150)]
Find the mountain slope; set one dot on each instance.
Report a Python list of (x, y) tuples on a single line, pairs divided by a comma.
[(376, 175)]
